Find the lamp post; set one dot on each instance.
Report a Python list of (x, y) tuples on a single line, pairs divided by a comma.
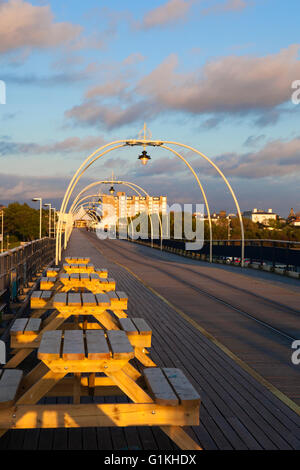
[(49, 205), (2, 231), (54, 217), (35, 199)]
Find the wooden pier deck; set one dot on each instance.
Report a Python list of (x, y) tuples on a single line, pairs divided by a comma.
[(237, 411)]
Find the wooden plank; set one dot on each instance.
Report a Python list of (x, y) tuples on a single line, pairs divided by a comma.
[(50, 345), (73, 347), (112, 295), (110, 280), (33, 326), (120, 345), (64, 276), (159, 387), (74, 276), (46, 279), (84, 276), (122, 295), (60, 299), (127, 325), (103, 300), (9, 384), (183, 388), (74, 300), (46, 294), (88, 299), (94, 276), (97, 347), (142, 326), (18, 326), (36, 294)]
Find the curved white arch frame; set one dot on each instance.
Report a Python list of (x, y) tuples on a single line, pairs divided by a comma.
[(132, 142), (133, 186)]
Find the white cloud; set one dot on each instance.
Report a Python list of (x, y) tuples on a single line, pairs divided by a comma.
[(170, 12), (23, 25)]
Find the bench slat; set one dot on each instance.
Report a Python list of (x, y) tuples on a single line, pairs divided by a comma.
[(121, 295), (73, 347), (46, 294), (182, 386), (94, 276), (60, 299), (112, 295), (74, 276), (142, 326), (64, 276), (103, 300), (127, 325), (88, 299), (74, 300), (33, 325), (120, 345), (9, 384), (18, 326), (97, 347), (84, 275), (36, 294), (50, 345), (159, 386)]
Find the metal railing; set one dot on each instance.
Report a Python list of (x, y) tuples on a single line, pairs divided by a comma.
[(17, 266), (262, 251)]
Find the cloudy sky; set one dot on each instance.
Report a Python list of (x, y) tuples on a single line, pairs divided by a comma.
[(214, 74)]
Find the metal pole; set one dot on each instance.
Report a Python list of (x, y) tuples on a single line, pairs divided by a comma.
[(41, 202), (49, 220), (2, 232), (53, 209)]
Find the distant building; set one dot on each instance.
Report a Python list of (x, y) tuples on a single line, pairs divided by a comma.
[(294, 218), (123, 206), (260, 216), (216, 217)]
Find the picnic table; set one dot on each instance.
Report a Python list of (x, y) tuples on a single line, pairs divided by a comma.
[(159, 397)]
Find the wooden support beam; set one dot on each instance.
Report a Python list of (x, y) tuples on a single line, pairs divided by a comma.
[(99, 415)]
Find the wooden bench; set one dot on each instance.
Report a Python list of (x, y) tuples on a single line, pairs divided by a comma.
[(24, 331), (10, 380), (52, 272), (169, 386), (47, 283), (40, 298)]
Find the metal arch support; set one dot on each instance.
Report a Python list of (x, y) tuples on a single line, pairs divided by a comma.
[(132, 142), (203, 194)]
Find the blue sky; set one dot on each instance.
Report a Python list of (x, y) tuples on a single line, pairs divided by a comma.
[(214, 74)]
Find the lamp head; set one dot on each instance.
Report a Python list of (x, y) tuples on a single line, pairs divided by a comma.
[(111, 190), (144, 157)]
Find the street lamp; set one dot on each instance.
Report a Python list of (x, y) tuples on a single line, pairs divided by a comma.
[(54, 217), (144, 158), (49, 205), (111, 190), (35, 199)]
